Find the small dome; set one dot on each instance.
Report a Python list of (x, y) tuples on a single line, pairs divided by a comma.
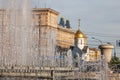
[(79, 34)]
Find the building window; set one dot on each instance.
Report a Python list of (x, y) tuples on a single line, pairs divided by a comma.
[(39, 17), (81, 41)]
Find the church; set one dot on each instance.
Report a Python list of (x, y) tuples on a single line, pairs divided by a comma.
[(81, 50)]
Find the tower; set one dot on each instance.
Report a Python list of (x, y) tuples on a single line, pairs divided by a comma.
[(80, 49)]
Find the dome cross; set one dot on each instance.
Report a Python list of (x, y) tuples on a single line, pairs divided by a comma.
[(79, 23)]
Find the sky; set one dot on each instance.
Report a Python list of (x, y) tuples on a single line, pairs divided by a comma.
[(99, 18)]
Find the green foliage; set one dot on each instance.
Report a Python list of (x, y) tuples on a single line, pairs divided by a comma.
[(115, 61), (119, 43)]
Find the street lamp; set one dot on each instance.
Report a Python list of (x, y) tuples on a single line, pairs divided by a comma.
[(98, 40), (101, 61)]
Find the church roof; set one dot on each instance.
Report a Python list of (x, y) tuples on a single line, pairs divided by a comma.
[(80, 34), (84, 50), (93, 49)]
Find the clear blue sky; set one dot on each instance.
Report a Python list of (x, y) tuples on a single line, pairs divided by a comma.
[(99, 18)]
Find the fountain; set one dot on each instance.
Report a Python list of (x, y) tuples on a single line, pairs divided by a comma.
[(23, 58), (20, 54), (17, 34), (17, 40)]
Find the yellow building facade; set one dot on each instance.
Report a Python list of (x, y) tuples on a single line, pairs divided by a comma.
[(94, 54), (47, 19)]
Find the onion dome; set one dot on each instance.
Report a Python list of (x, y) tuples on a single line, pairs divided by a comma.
[(79, 34)]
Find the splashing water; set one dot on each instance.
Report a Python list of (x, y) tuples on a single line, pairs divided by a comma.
[(16, 33), (17, 37)]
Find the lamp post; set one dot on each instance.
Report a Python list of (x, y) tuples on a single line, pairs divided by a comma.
[(97, 40), (102, 75)]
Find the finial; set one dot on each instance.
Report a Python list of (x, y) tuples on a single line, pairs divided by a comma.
[(78, 23), (67, 24), (62, 23)]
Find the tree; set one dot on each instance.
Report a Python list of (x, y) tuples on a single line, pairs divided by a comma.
[(115, 62)]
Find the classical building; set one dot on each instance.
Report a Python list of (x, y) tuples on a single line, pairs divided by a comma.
[(46, 20), (50, 34)]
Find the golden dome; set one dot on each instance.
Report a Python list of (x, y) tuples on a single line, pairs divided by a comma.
[(79, 34)]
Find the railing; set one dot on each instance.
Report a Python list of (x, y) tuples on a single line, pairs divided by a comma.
[(53, 73), (31, 71)]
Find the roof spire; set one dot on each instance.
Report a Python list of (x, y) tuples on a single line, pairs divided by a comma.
[(78, 23)]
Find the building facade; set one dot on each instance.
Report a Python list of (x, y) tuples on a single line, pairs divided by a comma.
[(46, 20)]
